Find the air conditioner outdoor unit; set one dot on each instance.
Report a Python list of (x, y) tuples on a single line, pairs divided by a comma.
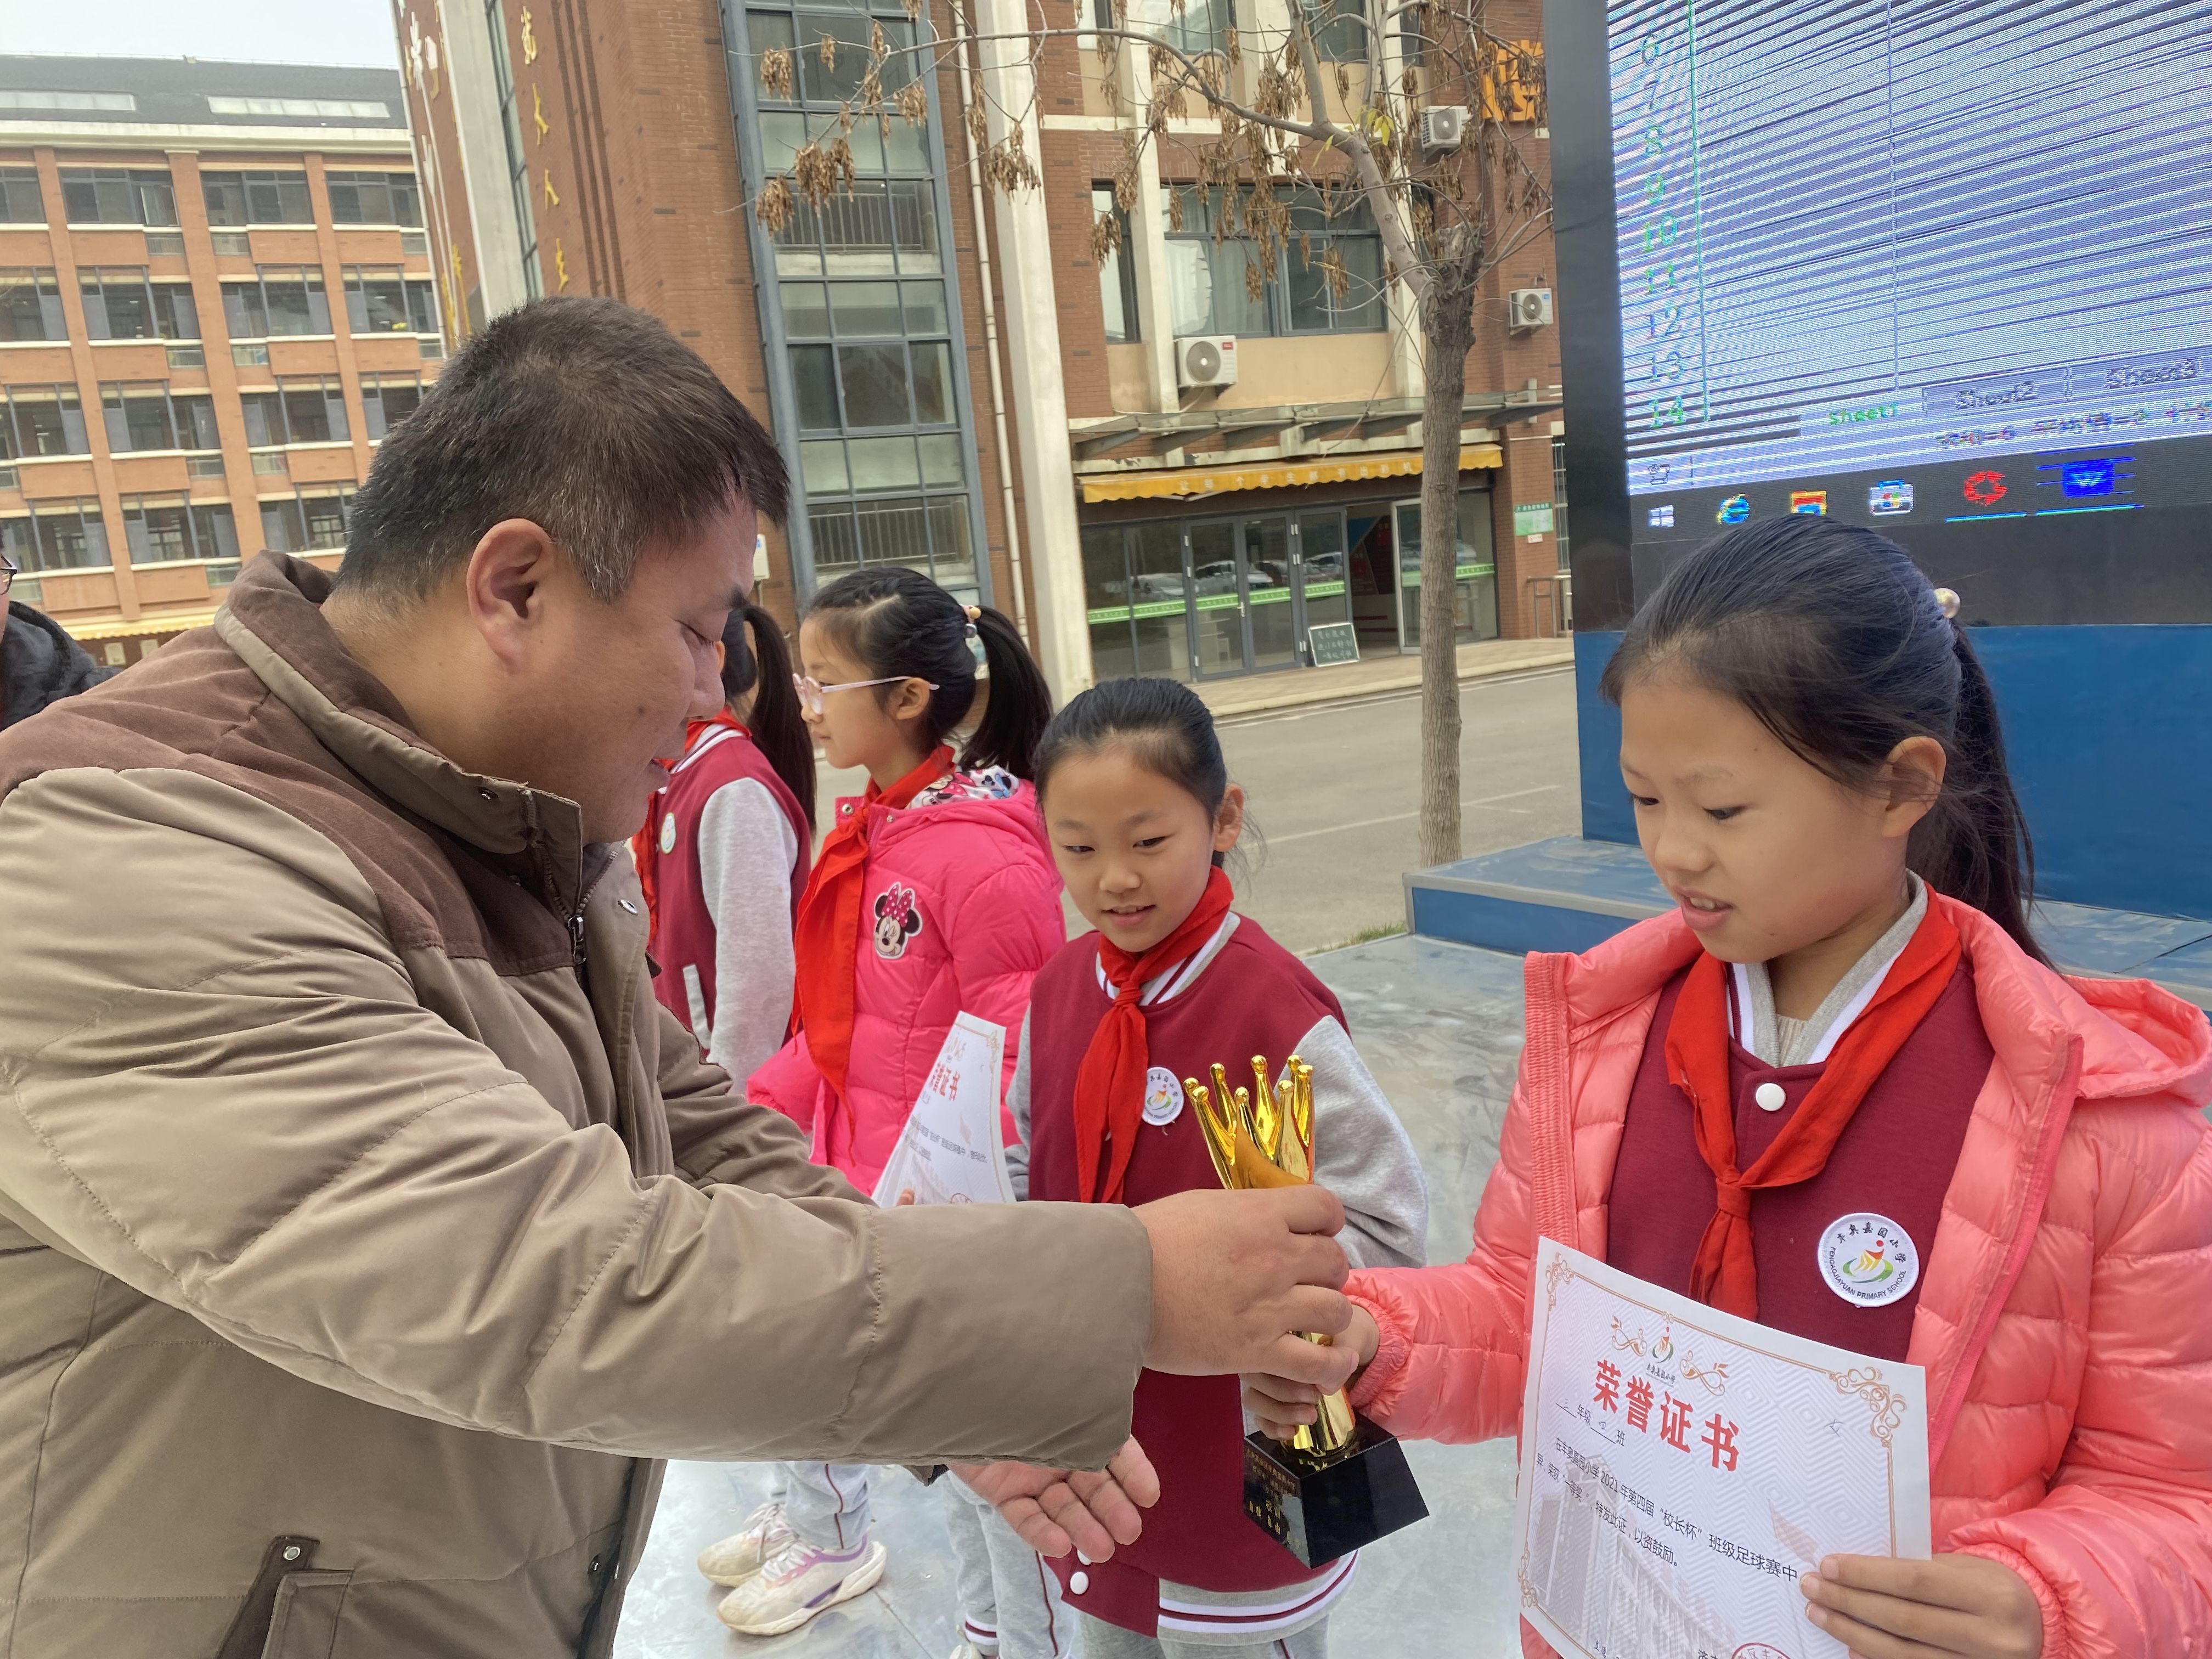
[(1444, 126), (1206, 359), (1529, 308)]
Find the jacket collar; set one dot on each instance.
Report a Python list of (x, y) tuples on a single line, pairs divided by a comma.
[(273, 621)]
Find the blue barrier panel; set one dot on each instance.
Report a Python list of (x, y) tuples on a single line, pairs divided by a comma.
[(2110, 748)]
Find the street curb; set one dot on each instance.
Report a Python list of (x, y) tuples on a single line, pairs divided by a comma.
[(1396, 688)]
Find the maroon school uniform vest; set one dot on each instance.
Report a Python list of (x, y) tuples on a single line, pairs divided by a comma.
[(682, 935), (1895, 1159), (1254, 998)]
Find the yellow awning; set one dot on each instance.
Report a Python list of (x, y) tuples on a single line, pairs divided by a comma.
[(116, 628), (1272, 474)]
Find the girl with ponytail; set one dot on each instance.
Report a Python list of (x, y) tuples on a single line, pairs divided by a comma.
[(725, 850), (934, 895), (1839, 1090)]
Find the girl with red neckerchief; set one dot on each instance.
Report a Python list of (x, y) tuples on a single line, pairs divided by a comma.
[(934, 895), (1140, 811), (1839, 1091)]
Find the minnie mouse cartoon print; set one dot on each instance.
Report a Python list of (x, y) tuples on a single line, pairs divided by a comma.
[(898, 919)]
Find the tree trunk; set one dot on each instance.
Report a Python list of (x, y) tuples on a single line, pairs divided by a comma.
[(1447, 334)]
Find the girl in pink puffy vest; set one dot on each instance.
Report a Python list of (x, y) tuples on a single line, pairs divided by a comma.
[(935, 894), (1847, 1018)]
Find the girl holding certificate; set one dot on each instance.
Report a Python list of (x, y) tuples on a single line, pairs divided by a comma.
[(1840, 1091)]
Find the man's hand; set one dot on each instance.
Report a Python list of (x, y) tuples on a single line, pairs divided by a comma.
[(1956, 1606), (1282, 1406), (1056, 1511), (1237, 1275)]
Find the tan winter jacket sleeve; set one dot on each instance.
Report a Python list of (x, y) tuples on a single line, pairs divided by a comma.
[(221, 1087)]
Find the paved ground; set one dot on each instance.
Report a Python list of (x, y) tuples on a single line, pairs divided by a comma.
[(1334, 789), (1335, 792), (1440, 1024)]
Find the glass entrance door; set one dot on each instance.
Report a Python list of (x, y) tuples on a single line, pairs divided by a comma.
[(1471, 572), (1217, 599), (1270, 593), (1324, 592)]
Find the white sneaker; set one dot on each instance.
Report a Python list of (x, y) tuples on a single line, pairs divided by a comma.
[(797, 1582), (738, 1557), (968, 1650)]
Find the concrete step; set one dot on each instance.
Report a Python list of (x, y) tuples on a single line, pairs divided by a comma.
[(1567, 894)]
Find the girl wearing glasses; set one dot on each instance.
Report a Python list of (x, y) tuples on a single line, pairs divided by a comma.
[(935, 894), (725, 852)]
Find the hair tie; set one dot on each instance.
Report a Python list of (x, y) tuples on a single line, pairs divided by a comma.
[(976, 643), (974, 615), (1947, 601)]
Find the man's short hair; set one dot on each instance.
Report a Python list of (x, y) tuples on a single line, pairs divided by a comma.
[(587, 417)]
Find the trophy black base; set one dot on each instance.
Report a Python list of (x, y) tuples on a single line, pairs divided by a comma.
[(1321, 1510)]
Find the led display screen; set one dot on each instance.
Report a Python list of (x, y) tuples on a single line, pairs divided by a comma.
[(1944, 269)]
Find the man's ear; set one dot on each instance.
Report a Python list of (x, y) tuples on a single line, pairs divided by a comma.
[(508, 582)]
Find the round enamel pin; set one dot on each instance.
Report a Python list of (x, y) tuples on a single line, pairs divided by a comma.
[(668, 833), (1868, 1260), (1162, 1096)]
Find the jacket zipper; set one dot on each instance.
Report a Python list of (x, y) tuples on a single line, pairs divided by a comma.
[(576, 916)]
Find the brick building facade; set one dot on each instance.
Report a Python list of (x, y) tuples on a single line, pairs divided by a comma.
[(214, 296), (941, 367)]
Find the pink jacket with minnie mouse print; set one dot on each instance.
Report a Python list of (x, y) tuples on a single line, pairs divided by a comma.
[(962, 907)]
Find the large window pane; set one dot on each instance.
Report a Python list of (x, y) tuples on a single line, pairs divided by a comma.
[(941, 459), (862, 309), (175, 316), (813, 372), (225, 195), (806, 311), (932, 383), (1190, 286), (884, 464), (215, 537), (21, 202), (30, 306), (822, 467), (952, 548), (913, 213), (264, 418), (874, 378), (45, 420), (376, 302), (925, 309), (280, 526)]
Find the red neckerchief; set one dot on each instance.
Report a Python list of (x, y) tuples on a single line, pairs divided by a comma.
[(1726, 1272), (826, 937), (645, 845), (1109, 1085)]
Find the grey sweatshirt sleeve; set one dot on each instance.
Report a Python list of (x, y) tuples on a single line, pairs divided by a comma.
[(1362, 1155), (746, 849), (1017, 1102)]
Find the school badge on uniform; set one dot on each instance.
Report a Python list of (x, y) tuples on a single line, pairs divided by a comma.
[(668, 834), (1867, 1260), (1162, 1097)]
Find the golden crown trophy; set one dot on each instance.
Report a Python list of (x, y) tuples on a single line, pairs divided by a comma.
[(1340, 1483)]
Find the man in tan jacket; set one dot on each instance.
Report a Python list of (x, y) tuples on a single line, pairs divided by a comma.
[(367, 1229)]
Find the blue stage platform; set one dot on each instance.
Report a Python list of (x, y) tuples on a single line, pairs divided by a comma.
[(1568, 894)]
